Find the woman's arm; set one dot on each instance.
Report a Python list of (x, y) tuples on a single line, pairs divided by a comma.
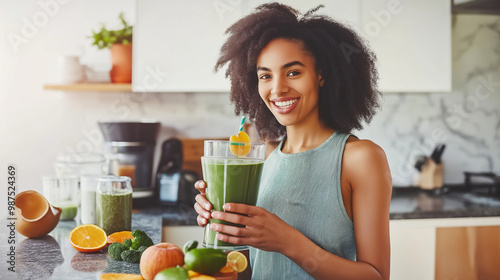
[(366, 168)]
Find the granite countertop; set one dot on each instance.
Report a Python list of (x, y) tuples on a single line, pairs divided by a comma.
[(53, 257), (449, 202)]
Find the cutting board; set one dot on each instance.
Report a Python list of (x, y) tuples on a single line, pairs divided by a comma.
[(192, 151)]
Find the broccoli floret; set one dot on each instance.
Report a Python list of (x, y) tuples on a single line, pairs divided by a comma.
[(142, 249), (127, 243), (115, 250), (131, 256), (140, 239)]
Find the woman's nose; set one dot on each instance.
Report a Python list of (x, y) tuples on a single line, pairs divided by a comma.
[(279, 86)]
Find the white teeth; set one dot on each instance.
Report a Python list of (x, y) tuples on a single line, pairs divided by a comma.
[(285, 104)]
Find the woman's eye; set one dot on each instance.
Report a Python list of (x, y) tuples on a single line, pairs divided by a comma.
[(264, 76), (293, 73)]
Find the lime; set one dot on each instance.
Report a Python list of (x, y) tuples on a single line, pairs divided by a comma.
[(173, 273), (205, 260), (190, 245)]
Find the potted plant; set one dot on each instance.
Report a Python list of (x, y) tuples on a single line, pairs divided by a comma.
[(120, 44)]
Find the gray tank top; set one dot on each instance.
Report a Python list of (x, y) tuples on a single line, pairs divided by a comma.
[(304, 190)]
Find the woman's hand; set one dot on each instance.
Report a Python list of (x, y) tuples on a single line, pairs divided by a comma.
[(202, 206), (263, 230)]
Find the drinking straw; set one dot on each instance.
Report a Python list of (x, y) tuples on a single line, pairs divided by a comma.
[(241, 129), (242, 123)]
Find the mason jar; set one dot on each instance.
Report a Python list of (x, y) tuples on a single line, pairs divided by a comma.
[(114, 204)]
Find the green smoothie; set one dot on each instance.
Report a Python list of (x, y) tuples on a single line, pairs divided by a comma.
[(229, 180), (69, 209), (114, 212)]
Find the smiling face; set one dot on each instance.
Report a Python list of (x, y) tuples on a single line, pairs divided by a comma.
[(289, 83)]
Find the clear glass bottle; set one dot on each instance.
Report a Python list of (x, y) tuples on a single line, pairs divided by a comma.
[(114, 204), (88, 186)]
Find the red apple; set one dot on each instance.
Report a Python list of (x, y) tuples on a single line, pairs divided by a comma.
[(159, 257)]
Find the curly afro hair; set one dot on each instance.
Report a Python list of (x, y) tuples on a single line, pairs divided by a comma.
[(349, 95)]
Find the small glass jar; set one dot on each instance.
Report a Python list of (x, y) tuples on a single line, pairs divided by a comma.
[(114, 204), (62, 191)]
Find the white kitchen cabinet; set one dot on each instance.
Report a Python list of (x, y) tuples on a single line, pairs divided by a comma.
[(416, 251), (179, 235), (412, 41), (176, 43)]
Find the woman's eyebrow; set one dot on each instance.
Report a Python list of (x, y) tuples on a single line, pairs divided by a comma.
[(288, 65)]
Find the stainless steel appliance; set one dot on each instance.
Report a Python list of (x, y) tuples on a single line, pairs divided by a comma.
[(131, 145)]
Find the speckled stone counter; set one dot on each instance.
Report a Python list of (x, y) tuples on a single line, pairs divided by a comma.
[(414, 203), (53, 257)]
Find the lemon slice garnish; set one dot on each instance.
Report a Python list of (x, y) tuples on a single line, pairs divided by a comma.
[(236, 146)]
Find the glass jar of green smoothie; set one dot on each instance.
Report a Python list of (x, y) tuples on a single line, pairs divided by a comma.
[(114, 204)]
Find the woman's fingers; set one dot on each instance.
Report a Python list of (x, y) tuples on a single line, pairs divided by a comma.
[(227, 229), (201, 186), (201, 221), (231, 217), (202, 200), (201, 211)]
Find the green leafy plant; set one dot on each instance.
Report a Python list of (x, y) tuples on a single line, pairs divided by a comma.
[(105, 38)]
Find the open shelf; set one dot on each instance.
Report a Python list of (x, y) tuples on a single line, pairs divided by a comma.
[(108, 87)]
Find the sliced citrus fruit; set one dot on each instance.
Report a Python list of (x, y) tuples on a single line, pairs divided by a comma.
[(193, 273), (226, 269), (237, 147), (202, 277), (237, 261), (88, 238), (119, 236)]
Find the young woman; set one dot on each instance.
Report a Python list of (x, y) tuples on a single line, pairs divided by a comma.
[(323, 207)]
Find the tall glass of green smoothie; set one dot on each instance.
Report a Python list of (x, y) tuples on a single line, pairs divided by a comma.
[(232, 171)]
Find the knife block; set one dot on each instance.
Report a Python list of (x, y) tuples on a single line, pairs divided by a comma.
[(431, 176)]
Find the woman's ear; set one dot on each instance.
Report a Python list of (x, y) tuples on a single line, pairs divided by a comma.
[(321, 81)]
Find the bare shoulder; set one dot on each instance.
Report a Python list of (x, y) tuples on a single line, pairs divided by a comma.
[(363, 158), (362, 149)]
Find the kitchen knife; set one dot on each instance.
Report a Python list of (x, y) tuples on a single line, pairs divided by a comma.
[(439, 153)]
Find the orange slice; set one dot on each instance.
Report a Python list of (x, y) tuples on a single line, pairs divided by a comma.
[(88, 238), (226, 269), (193, 273), (240, 149), (237, 261), (202, 277), (119, 237)]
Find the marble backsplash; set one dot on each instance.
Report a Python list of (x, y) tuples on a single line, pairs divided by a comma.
[(467, 119)]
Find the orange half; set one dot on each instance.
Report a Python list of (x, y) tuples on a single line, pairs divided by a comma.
[(88, 238)]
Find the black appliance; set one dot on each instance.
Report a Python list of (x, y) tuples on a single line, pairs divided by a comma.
[(487, 183), (174, 186), (131, 146)]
